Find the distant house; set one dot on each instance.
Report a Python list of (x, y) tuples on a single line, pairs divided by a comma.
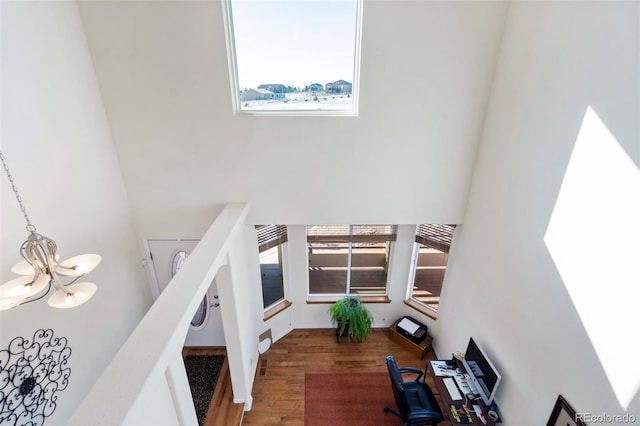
[(339, 86), (315, 87), (256, 95), (275, 88)]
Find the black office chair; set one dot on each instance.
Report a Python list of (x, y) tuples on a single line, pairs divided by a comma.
[(416, 403)]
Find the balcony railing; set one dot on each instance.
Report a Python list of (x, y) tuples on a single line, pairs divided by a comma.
[(146, 382)]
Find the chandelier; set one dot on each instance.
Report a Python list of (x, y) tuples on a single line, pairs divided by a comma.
[(41, 269)]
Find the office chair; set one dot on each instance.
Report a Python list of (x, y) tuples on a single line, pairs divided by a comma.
[(416, 403)]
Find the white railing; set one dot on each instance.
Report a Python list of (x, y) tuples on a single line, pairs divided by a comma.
[(146, 382)]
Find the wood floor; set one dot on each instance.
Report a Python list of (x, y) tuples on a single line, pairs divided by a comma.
[(278, 391)]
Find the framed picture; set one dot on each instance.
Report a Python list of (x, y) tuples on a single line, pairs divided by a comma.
[(563, 414)]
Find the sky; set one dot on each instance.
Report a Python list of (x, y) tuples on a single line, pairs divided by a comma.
[(294, 42)]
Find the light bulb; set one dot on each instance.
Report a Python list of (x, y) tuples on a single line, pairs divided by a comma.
[(24, 287), (78, 265), (72, 295)]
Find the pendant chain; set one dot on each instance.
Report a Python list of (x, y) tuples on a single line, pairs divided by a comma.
[(30, 227)]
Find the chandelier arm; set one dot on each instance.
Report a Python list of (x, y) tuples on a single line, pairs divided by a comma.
[(52, 247), (36, 276), (74, 280), (24, 252), (58, 285), (40, 256), (56, 281), (36, 253)]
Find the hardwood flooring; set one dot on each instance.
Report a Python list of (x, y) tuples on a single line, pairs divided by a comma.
[(278, 390)]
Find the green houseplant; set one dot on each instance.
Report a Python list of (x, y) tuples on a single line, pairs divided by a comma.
[(351, 317)]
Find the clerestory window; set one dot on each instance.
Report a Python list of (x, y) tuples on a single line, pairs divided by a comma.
[(294, 57)]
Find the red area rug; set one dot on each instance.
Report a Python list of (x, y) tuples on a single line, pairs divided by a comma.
[(350, 399)]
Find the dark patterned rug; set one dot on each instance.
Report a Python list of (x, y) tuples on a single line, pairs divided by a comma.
[(202, 372)]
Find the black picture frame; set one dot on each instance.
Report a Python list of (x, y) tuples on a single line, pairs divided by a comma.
[(563, 414)]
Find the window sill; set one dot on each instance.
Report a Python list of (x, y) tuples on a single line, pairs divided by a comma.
[(275, 309), (423, 309), (333, 298)]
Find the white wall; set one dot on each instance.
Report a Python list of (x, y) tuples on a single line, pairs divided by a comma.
[(502, 285), (57, 142), (407, 158)]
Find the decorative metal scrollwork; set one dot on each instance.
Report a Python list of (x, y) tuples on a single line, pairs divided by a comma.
[(31, 375)]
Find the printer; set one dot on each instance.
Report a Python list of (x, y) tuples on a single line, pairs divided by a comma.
[(412, 329)]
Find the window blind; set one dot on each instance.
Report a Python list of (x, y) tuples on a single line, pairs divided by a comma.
[(351, 233), (436, 236), (270, 236)]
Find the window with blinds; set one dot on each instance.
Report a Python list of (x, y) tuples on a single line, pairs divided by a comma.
[(349, 259), (270, 242), (431, 257)]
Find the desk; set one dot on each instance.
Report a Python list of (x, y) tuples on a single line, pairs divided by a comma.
[(447, 401)]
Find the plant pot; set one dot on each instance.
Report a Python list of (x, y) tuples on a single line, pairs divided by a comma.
[(344, 332), (351, 318)]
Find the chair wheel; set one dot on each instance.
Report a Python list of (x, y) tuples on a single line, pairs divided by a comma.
[(386, 409)]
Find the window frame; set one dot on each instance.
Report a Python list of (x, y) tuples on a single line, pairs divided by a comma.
[(235, 84), (278, 239), (440, 241), (389, 240)]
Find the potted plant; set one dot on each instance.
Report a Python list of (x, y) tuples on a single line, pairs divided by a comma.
[(351, 318)]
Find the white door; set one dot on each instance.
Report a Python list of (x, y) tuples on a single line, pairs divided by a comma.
[(167, 256)]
